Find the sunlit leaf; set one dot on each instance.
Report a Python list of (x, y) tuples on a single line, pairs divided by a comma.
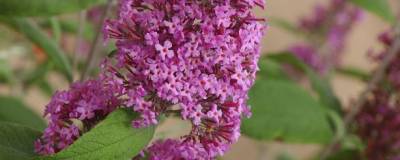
[(286, 25), (17, 141), (6, 73), (319, 84), (271, 70), (354, 73), (285, 112), (14, 110), (73, 27), (113, 138), (378, 7)]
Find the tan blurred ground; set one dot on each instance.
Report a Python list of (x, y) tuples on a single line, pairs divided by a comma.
[(361, 39)]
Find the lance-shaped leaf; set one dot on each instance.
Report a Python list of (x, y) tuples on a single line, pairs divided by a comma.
[(320, 85), (17, 141), (284, 111), (15, 111), (39, 38), (377, 7), (354, 73), (6, 73), (72, 27), (113, 138), (271, 70), (43, 7), (287, 26)]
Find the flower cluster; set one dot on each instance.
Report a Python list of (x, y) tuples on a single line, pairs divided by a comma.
[(393, 71), (175, 149), (87, 102), (198, 55), (378, 123), (328, 28)]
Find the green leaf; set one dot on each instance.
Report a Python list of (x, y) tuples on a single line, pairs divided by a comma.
[(46, 88), (44, 7), (354, 73), (6, 73), (352, 142), (271, 70), (56, 29), (345, 155), (113, 138), (287, 26), (285, 156), (378, 7), (37, 74), (72, 27), (112, 53), (284, 111), (351, 148), (320, 85), (17, 141), (13, 110), (337, 123), (40, 38), (325, 92)]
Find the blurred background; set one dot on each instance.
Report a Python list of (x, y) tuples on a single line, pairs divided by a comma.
[(18, 57), (361, 39)]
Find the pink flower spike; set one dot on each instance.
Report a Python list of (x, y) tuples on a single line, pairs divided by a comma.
[(200, 55)]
